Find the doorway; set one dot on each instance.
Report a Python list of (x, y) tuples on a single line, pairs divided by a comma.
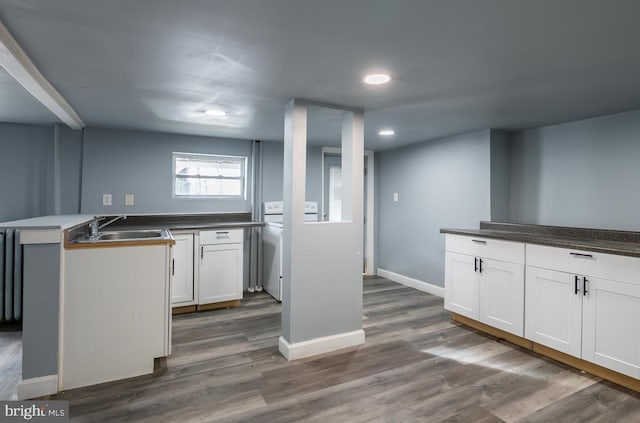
[(331, 198)]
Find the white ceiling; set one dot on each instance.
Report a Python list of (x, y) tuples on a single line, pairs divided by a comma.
[(458, 65)]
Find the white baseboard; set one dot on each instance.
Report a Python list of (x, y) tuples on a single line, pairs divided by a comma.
[(37, 387), (320, 345), (438, 291)]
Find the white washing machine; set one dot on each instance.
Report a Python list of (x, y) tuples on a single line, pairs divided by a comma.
[(272, 244)]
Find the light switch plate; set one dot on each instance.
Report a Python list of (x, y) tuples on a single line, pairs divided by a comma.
[(128, 199), (106, 199), (395, 196)]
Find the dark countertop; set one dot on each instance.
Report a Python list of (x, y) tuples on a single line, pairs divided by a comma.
[(188, 221), (190, 225), (175, 222), (596, 240)]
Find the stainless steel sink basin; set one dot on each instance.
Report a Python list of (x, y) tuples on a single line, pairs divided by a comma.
[(128, 235), (123, 236)]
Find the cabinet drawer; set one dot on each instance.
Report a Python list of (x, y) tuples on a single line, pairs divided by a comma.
[(486, 247), (588, 263), (222, 236), (554, 258)]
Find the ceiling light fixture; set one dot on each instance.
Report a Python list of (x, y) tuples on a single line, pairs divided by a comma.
[(377, 79), (215, 112), (387, 132)]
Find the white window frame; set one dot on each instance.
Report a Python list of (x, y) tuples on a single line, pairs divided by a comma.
[(243, 177)]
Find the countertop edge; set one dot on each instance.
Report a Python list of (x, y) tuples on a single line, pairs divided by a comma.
[(633, 250), (191, 226), (36, 224), (114, 244)]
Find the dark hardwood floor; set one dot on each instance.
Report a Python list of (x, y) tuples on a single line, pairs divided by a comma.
[(416, 366)]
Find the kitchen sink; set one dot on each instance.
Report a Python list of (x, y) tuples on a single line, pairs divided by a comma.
[(125, 235)]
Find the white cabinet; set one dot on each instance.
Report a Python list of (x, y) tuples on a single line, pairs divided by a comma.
[(115, 313), (484, 280), (182, 280), (221, 266), (611, 325), (585, 304), (462, 285), (554, 309), (207, 267), (502, 295)]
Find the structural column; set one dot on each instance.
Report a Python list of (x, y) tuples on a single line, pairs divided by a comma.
[(322, 261)]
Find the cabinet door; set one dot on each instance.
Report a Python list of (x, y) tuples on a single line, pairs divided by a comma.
[(220, 273), (611, 326), (182, 272), (502, 295), (461, 285), (553, 311)]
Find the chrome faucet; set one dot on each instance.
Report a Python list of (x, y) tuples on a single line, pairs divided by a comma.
[(95, 226)]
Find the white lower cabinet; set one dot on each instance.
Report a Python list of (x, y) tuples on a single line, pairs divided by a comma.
[(484, 287), (589, 308), (581, 303), (207, 267), (115, 313), (220, 273), (221, 265), (182, 276), (554, 310), (502, 295), (462, 285), (611, 325)]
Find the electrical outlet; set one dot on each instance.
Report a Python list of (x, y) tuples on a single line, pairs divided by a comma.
[(106, 199), (395, 196), (128, 199)]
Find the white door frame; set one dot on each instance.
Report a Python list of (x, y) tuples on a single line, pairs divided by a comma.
[(369, 227)]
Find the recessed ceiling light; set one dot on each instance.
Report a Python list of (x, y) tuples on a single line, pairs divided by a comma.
[(215, 112), (387, 132), (377, 79)]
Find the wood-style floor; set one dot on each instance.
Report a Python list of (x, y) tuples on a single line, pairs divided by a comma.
[(10, 364), (416, 366)]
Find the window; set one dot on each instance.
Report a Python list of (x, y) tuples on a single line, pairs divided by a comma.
[(207, 175)]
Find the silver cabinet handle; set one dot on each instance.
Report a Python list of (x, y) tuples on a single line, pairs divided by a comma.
[(201, 253)]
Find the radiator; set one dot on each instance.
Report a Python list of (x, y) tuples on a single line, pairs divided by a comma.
[(10, 276)]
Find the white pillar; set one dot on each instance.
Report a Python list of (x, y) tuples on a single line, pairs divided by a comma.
[(322, 274)]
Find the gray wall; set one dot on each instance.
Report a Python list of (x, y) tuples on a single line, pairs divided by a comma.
[(441, 183), (499, 176), (272, 172), (583, 173), (70, 156), (26, 171), (118, 162)]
